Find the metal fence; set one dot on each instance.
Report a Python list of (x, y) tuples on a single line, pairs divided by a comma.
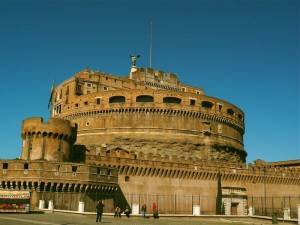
[(170, 204), (268, 206), (174, 204)]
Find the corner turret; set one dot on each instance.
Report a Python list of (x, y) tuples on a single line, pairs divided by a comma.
[(52, 141)]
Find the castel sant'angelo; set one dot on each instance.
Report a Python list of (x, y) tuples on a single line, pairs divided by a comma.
[(143, 138)]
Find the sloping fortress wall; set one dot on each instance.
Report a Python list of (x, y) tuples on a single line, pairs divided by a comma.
[(150, 112)]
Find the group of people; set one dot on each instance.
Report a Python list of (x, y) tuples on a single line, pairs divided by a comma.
[(118, 211), (154, 211)]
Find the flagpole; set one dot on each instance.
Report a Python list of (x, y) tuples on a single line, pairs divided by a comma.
[(151, 45), (51, 93)]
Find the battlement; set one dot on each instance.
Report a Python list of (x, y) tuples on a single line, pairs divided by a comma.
[(188, 168), (53, 126)]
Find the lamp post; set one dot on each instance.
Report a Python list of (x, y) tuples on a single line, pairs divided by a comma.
[(265, 192)]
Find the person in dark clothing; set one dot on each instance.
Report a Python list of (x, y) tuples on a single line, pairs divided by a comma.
[(127, 212), (99, 208), (144, 209)]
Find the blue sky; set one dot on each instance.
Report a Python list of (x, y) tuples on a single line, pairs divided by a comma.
[(244, 52)]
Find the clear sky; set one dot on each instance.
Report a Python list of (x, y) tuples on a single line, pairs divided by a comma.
[(244, 52)]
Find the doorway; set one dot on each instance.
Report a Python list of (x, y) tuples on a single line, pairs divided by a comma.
[(234, 206)]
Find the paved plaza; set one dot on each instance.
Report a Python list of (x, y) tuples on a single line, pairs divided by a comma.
[(58, 218)]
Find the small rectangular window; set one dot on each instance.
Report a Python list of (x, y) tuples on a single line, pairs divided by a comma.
[(98, 171), (105, 88), (219, 107), (127, 179), (98, 101), (74, 169), (5, 166), (89, 85), (57, 109), (192, 101), (76, 105), (183, 89), (26, 166), (108, 172)]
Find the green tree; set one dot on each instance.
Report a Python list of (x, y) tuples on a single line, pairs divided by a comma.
[(219, 196)]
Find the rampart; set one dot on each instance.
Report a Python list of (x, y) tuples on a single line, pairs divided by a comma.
[(181, 168)]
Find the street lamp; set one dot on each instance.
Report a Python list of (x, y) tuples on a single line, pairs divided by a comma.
[(265, 192)]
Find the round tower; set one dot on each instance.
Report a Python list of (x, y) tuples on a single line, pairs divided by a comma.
[(51, 140), (150, 112)]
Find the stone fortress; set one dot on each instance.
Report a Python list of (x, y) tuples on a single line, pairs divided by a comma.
[(146, 138)]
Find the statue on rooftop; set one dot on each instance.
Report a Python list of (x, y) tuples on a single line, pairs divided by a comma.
[(134, 59)]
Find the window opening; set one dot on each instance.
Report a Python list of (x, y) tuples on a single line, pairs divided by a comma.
[(98, 171), (117, 99), (144, 98), (220, 107), (192, 101), (172, 100), (230, 112), (206, 104), (74, 169), (5, 166), (26, 166)]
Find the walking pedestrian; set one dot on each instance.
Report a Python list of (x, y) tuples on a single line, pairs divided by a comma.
[(99, 208)]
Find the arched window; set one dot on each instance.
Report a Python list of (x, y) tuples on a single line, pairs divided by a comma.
[(240, 116), (144, 98), (172, 100), (206, 104), (117, 99), (230, 112)]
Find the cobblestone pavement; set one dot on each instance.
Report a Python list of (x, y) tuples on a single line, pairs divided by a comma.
[(57, 218)]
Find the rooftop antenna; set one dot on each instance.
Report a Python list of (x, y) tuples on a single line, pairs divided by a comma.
[(151, 45)]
